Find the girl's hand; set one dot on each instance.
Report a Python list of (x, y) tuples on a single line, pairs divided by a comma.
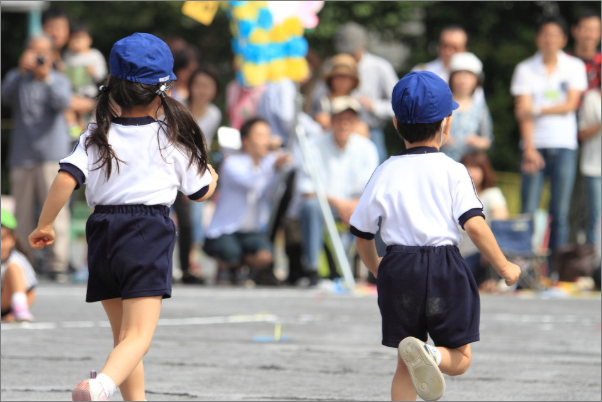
[(41, 237)]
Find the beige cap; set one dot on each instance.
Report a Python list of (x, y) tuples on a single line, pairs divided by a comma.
[(342, 64), (466, 62), (343, 103)]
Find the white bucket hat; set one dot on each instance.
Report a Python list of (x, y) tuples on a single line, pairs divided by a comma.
[(466, 62)]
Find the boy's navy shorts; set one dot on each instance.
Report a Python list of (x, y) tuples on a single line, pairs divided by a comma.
[(428, 290), (130, 249)]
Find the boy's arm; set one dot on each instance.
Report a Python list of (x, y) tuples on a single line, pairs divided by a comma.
[(59, 194), (481, 235), (368, 254)]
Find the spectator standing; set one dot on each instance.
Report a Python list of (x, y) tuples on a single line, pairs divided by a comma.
[(586, 33), (185, 62), (344, 163), (591, 160), (494, 207), (203, 88), (377, 79), (38, 96), (341, 79), (236, 235), (55, 24), (86, 68), (548, 88), (453, 39), (471, 127)]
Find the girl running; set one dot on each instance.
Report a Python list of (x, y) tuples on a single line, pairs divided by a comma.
[(133, 165)]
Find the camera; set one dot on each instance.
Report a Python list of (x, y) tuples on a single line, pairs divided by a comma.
[(41, 60)]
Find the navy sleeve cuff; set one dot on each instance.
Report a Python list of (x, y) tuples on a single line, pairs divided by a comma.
[(360, 234), (199, 194), (74, 171), (471, 213)]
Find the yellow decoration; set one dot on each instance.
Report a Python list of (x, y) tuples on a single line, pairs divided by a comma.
[(276, 70), (201, 11), (297, 69), (248, 11), (279, 34), (259, 37), (293, 26), (254, 74)]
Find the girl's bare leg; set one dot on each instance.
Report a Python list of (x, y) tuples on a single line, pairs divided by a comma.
[(132, 389), (402, 388), (133, 335)]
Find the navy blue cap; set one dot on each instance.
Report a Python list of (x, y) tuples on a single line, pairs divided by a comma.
[(143, 58), (422, 97)]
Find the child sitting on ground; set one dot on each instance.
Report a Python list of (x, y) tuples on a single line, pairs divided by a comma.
[(18, 276)]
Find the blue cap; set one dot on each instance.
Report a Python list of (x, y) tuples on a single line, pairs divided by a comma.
[(142, 58), (422, 97)]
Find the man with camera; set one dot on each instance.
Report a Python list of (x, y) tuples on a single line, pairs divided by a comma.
[(38, 96)]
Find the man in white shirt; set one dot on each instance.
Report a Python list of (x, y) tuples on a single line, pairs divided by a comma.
[(236, 235), (453, 39), (345, 162), (548, 88)]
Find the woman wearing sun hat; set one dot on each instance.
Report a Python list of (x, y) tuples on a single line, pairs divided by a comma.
[(472, 127), (341, 79)]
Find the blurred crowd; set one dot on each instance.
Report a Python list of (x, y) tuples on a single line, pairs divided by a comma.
[(265, 186)]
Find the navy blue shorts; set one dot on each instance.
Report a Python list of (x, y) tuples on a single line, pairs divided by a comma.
[(130, 252), (428, 291)]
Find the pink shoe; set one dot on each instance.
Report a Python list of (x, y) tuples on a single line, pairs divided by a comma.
[(89, 390)]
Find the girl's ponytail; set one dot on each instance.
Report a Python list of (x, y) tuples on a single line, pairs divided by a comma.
[(183, 131), (99, 136)]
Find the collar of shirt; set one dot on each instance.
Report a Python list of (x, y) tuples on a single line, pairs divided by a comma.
[(134, 121), (418, 151), (562, 57)]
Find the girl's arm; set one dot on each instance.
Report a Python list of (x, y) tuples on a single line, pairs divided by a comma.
[(212, 186), (368, 254), (59, 194), (480, 234)]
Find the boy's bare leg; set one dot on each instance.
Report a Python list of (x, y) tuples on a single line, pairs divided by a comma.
[(455, 361), (402, 388)]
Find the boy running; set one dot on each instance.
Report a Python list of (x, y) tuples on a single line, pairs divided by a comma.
[(425, 287)]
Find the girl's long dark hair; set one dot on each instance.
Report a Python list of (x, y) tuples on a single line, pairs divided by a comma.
[(180, 127)]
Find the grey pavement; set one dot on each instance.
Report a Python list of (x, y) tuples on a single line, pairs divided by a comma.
[(205, 348)]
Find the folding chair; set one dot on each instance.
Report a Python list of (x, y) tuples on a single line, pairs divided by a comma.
[(516, 238)]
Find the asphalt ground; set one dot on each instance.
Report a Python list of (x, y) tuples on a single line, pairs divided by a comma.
[(208, 346)]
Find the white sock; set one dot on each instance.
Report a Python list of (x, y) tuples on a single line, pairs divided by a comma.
[(107, 384), (19, 300), (435, 353)]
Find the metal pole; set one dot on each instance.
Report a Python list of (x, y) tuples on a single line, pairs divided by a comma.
[(308, 159)]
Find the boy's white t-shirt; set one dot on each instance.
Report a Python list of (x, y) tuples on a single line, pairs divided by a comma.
[(530, 78), (422, 196), (153, 172)]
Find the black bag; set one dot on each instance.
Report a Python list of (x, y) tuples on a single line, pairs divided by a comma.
[(573, 261)]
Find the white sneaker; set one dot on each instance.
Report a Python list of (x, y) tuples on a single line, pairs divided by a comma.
[(89, 390), (424, 371)]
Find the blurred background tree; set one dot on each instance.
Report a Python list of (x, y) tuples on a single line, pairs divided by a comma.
[(501, 35)]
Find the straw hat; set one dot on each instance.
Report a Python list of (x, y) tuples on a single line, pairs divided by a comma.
[(342, 64)]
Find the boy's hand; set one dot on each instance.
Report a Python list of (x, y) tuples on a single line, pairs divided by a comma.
[(90, 70), (41, 238), (510, 272)]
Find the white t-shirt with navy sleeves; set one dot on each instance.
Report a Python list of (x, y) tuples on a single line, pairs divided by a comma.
[(153, 172), (421, 195)]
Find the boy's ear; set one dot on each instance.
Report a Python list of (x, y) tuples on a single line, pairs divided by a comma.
[(447, 122), (395, 122)]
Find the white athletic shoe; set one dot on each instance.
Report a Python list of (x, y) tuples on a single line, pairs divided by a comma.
[(89, 390), (426, 376)]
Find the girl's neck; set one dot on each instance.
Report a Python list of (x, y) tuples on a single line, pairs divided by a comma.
[(140, 112)]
